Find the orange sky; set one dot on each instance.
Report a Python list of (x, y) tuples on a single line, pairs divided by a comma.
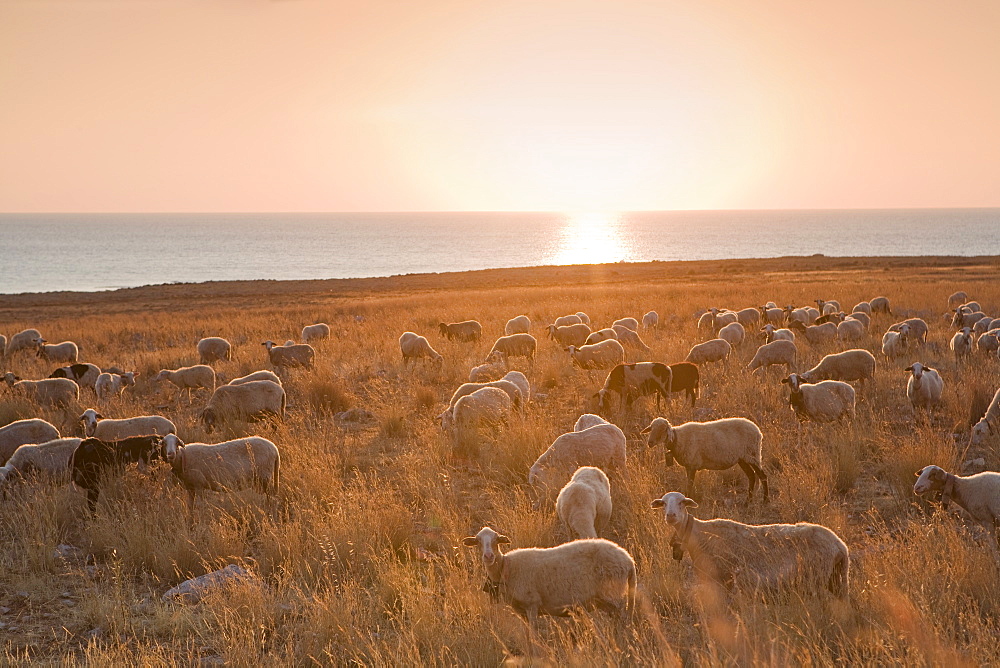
[(306, 105)]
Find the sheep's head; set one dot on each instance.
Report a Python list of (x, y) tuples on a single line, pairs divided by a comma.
[(794, 382), (929, 478), (89, 419), (170, 446), (979, 432), (488, 542), (10, 378), (675, 507), (268, 344), (443, 329), (917, 369), (208, 418)]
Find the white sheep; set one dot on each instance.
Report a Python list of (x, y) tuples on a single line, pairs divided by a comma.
[(602, 335), (879, 305), (584, 503), (734, 333), (964, 318), (983, 325), (96, 426), (256, 375), (111, 385), (517, 400), (767, 558), (712, 446), (989, 423), (815, 334), (23, 340), (584, 318), (517, 325), (863, 307), (248, 401), (989, 342), (3, 346), (415, 347), (51, 458), (772, 314), (772, 333), (776, 352), (857, 364), (957, 299), (588, 420), (515, 345), (591, 572), (715, 350), (16, 434), (492, 369), (630, 338), (851, 330), (85, 375), (466, 331), (650, 320), (521, 381), (488, 407), (53, 392), (924, 386), (826, 401), (320, 330), (630, 323), (602, 445), (570, 335), (213, 349), (961, 344), (189, 378), (895, 343), (918, 329), (566, 320), (978, 495), (67, 351), (603, 355), (748, 317), (243, 462), (861, 317), (284, 357)]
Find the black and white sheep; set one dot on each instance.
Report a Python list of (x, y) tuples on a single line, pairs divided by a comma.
[(83, 374), (631, 381), (94, 458)]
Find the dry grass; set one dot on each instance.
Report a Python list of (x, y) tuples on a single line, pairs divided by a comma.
[(361, 563)]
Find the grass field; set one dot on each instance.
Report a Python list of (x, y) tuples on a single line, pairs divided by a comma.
[(363, 562)]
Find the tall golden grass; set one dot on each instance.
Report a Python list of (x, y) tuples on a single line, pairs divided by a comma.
[(362, 563)]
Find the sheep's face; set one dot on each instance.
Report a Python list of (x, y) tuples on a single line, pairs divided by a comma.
[(675, 507), (929, 478), (89, 420), (793, 381), (659, 432), (170, 446), (917, 369), (980, 431), (488, 542)]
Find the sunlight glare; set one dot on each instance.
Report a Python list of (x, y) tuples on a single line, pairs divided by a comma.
[(592, 238)]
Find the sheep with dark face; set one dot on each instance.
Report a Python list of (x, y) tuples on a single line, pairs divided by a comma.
[(825, 401), (631, 381), (93, 458), (978, 495), (466, 331)]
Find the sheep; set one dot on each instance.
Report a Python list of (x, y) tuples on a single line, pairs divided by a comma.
[(111, 385), (851, 330), (828, 306), (989, 423), (490, 370), (650, 320), (189, 378), (284, 357), (835, 318), (256, 375), (989, 342), (588, 420), (96, 426), (570, 335), (248, 401), (584, 318), (84, 375), (516, 345), (320, 330), (487, 406), (772, 333), (630, 381), (67, 351), (918, 329), (517, 400), (590, 572), (879, 305), (684, 377), (242, 462), (50, 458), (715, 350), (801, 314), (603, 355), (768, 558), (23, 340), (957, 299), (630, 338), (825, 401), (16, 434), (584, 503), (815, 334), (53, 392), (93, 457), (605, 334), (602, 445), (776, 352), (466, 331), (566, 320), (857, 364), (971, 307), (521, 381), (414, 347), (518, 325), (924, 386), (966, 319), (748, 317), (863, 307), (289, 342), (734, 333), (712, 446), (214, 349), (895, 344), (978, 495), (772, 314), (961, 344), (861, 317), (630, 323)]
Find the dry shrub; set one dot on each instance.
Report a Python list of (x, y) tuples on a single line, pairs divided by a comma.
[(325, 393)]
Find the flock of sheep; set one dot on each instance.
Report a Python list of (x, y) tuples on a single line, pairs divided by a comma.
[(576, 471)]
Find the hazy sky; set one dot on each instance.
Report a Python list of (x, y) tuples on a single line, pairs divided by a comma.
[(307, 105)]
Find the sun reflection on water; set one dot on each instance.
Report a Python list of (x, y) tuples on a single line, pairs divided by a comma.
[(592, 238)]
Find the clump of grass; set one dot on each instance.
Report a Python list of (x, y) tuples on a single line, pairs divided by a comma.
[(327, 394)]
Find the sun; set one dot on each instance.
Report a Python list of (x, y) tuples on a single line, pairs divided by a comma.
[(592, 238)]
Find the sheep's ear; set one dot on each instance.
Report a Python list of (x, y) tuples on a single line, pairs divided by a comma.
[(784, 380), (503, 540), (690, 503), (470, 541), (917, 474), (647, 429), (657, 503), (909, 368)]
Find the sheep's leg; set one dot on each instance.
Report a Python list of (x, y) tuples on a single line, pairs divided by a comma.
[(190, 507), (92, 494), (691, 473), (751, 478), (763, 480)]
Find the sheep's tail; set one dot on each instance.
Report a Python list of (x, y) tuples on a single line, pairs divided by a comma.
[(633, 584), (275, 477), (284, 399), (839, 578)]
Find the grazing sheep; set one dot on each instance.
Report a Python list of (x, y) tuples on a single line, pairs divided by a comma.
[(189, 378), (924, 386), (242, 462), (763, 557), (895, 344), (630, 381), (466, 331), (53, 392), (248, 401), (815, 334), (851, 330), (630, 338), (772, 333), (712, 446), (584, 504), (971, 307), (23, 340), (96, 426), (861, 317), (94, 457), (989, 423), (566, 320), (734, 333), (685, 377), (748, 317), (989, 342), (588, 420), (650, 320), (982, 326), (515, 345), (605, 334), (16, 434), (776, 352), (918, 329), (863, 307), (320, 330), (957, 299), (978, 495), (415, 347), (826, 401), (828, 306), (214, 349), (602, 445), (630, 323), (111, 385), (570, 335), (521, 381), (517, 325), (289, 342), (84, 375), (256, 375), (857, 364), (493, 369), (584, 318), (716, 350), (285, 357), (588, 573), (879, 305), (772, 314), (50, 458), (835, 318), (966, 319), (961, 344), (603, 355), (486, 407), (67, 351), (517, 400)]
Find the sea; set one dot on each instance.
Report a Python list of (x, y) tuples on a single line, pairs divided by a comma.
[(89, 252)]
